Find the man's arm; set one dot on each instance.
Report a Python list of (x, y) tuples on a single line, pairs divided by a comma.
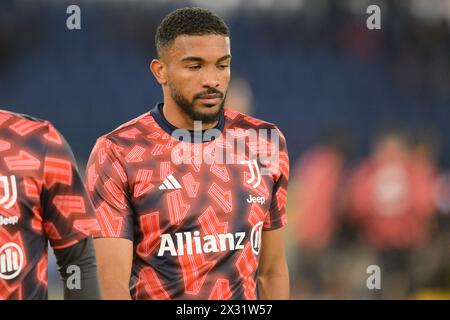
[(68, 217), (273, 275), (81, 255), (114, 259)]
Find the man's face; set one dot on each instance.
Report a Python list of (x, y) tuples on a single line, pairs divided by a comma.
[(198, 73)]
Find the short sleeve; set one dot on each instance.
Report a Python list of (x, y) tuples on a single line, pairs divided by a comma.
[(107, 185), (68, 215), (276, 217)]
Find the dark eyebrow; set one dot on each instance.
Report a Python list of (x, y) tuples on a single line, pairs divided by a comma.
[(228, 56), (198, 59), (193, 59)]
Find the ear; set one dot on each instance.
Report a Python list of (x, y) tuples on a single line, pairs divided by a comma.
[(158, 69)]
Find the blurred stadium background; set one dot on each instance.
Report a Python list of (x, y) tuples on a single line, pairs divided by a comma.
[(366, 115)]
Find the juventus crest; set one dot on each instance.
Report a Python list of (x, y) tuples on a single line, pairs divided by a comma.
[(8, 195)]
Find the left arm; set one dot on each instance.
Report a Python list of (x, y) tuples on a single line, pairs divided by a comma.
[(68, 219), (81, 255), (273, 277)]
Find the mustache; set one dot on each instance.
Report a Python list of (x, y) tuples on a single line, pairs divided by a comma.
[(208, 92)]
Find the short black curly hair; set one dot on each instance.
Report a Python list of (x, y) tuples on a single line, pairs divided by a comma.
[(188, 21)]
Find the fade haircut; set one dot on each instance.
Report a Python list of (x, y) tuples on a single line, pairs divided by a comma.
[(188, 21)]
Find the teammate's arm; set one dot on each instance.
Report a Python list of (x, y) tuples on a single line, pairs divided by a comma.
[(82, 256), (68, 218), (273, 276), (114, 258)]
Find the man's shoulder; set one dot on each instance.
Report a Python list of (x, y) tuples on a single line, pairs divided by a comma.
[(241, 120), (6, 114), (130, 130), (23, 124)]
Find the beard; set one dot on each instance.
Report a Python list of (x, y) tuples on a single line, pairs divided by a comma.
[(189, 109)]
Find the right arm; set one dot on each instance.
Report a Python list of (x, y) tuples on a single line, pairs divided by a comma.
[(106, 183), (114, 261)]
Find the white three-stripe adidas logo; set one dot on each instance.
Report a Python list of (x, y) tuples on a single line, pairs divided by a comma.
[(170, 183)]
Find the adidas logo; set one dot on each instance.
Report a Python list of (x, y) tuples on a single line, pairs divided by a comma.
[(170, 183)]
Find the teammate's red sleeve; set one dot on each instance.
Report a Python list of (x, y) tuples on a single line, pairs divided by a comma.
[(67, 213), (107, 185), (276, 217)]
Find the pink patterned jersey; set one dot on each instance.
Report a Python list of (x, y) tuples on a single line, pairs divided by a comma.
[(196, 225), (42, 198)]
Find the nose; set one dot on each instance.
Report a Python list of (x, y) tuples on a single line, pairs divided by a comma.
[(211, 80)]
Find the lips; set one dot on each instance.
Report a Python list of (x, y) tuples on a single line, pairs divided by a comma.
[(210, 96), (210, 99)]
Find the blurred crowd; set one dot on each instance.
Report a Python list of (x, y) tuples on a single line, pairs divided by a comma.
[(389, 209)]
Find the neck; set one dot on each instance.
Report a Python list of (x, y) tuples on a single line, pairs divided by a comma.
[(176, 117)]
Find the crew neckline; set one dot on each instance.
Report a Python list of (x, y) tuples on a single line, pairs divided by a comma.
[(169, 128)]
